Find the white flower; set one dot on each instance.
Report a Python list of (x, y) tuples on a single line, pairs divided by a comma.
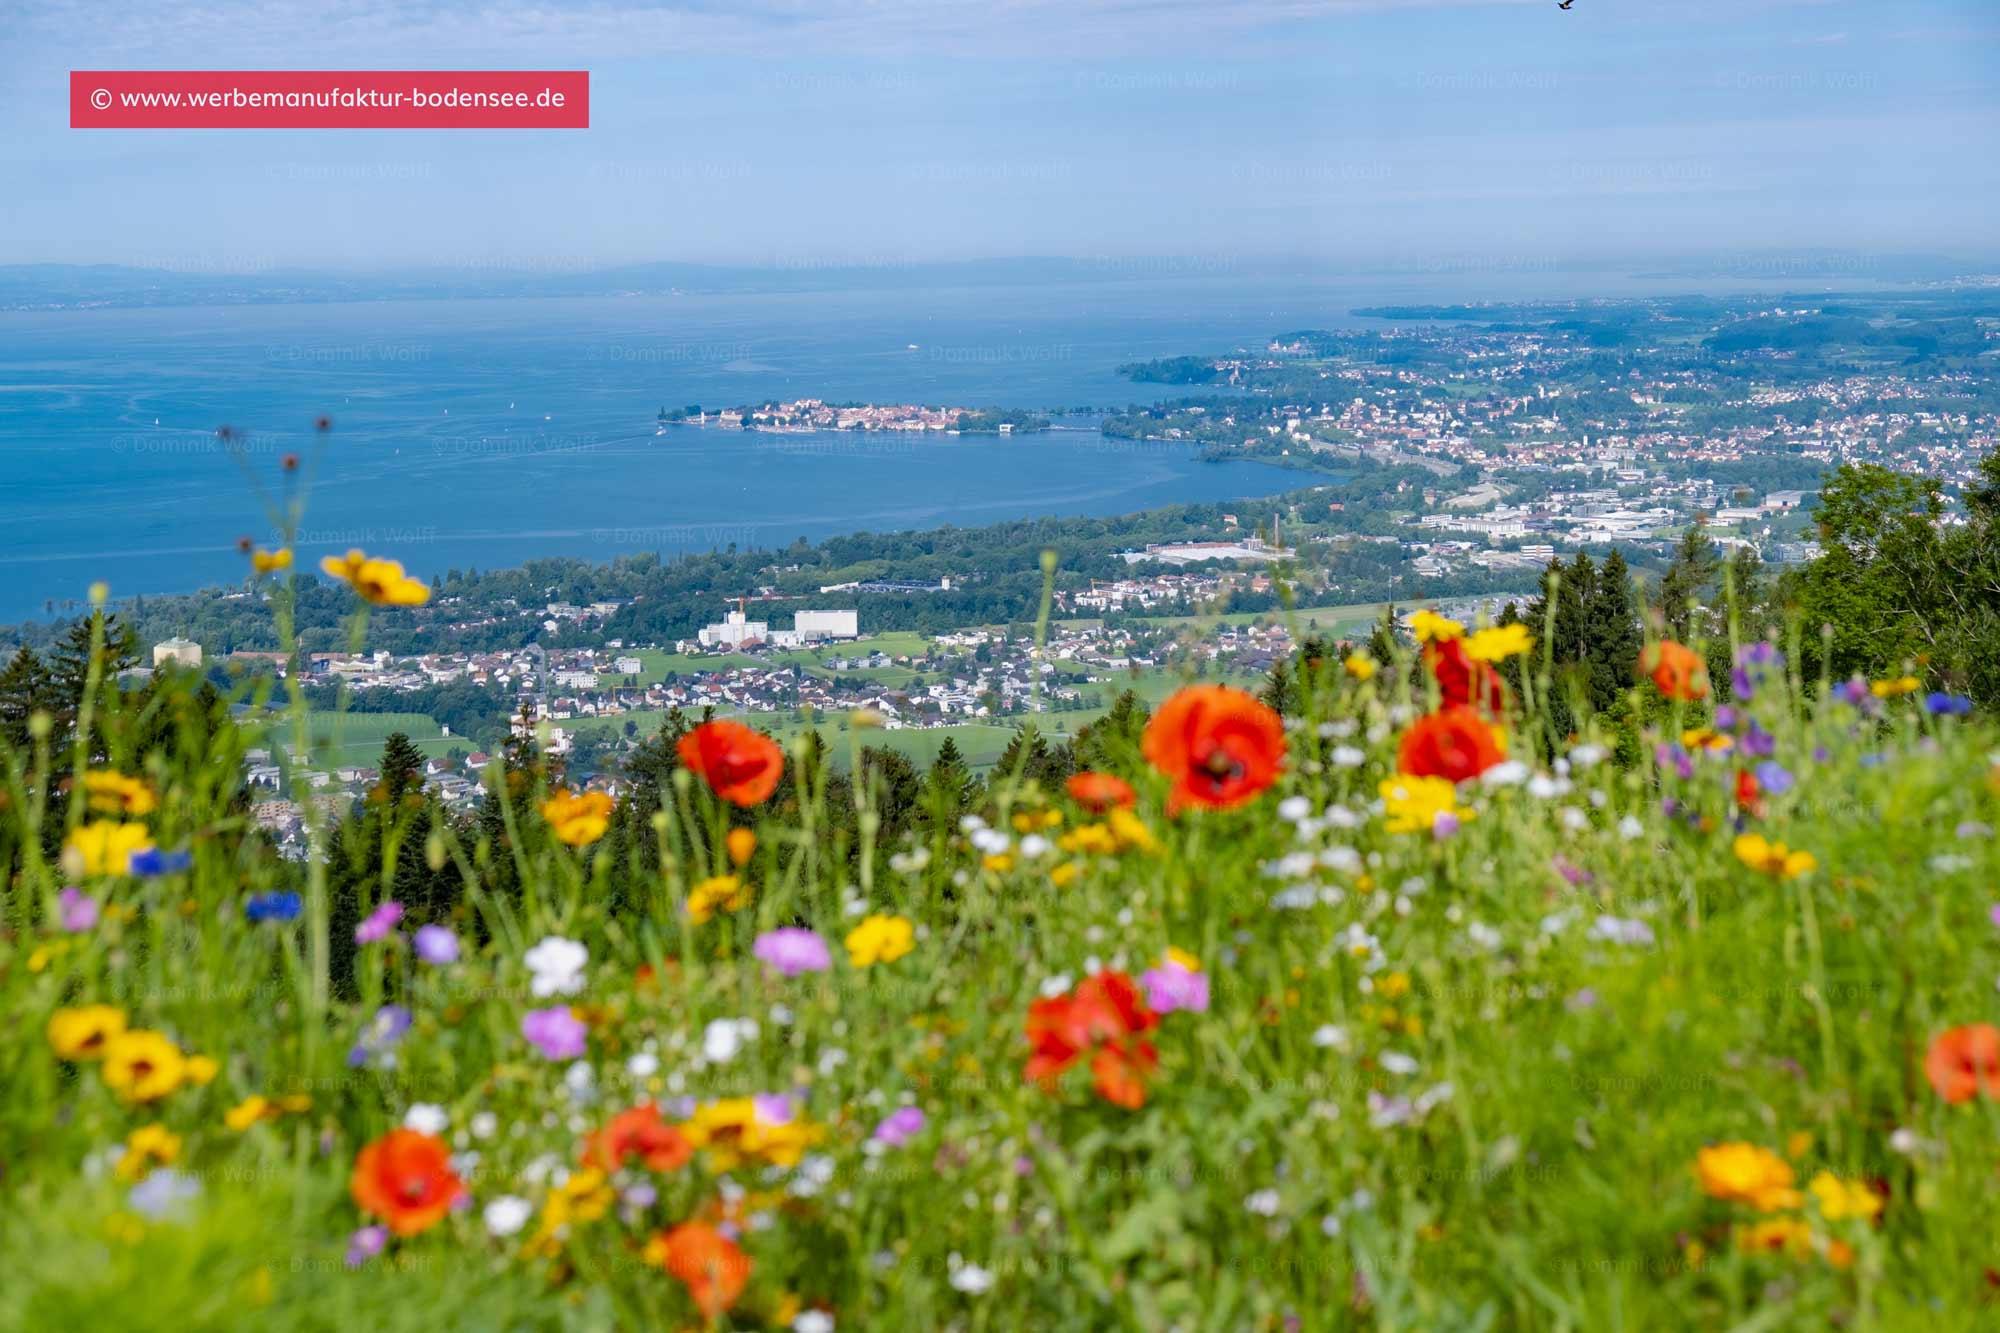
[(1950, 863), (813, 1321), (426, 1118), (1483, 935), (1619, 930), (644, 1064), (971, 1279), (1055, 985), (1509, 774), (1630, 827), (1344, 859), (908, 863), (1587, 756), (507, 1214), (579, 1077), (1296, 898), (1905, 1141), (1264, 1203), (1543, 787), (1329, 1225), (1346, 756), (991, 841), (1330, 1036), (1035, 845), (557, 965), (1339, 816), (721, 1040), (830, 1059), (485, 1125), (970, 824), (1398, 1063), (1574, 819), (1294, 808)]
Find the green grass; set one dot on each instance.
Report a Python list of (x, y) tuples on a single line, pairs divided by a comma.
[(343, 739), (1454, 1078)]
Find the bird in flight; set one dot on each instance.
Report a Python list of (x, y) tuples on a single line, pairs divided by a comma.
[(1565, 4)]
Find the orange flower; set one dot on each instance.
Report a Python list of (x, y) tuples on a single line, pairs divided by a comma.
[(640, 1133), (742, 845), (1965, 1062), (1104, 1017), (405, 1178), (713, 1267), (741, 765), (1098, 792), (1452, 743), (1219, 746), (1748, 793), (1461, 679), (1677, 669)]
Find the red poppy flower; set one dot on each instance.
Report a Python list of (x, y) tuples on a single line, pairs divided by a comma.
[(1099, 792), (405, 1178), (1452, 743), (714, 1268), (1677, 669), (1461, 680), (1219, 746), (742, 766), (1965, 1062), (640, 1133), (1748, 794), (1103, 1017)]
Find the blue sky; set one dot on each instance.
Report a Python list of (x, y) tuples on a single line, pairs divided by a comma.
[(804, 132)]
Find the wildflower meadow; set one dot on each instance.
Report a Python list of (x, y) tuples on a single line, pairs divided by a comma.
[(1391, 1006)]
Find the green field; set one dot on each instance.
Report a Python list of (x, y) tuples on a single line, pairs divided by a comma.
[(341, 739)]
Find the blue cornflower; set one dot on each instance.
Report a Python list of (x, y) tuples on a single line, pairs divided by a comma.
[(151, 861), (272, 907)]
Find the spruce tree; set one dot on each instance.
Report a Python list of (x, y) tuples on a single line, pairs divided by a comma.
[(1612, 635)]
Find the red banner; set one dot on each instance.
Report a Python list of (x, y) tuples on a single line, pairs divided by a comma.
[(330, 99)]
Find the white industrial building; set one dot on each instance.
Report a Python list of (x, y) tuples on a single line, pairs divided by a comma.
[(737, 630)]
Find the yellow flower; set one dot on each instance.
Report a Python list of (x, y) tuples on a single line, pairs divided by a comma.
[(143, 1066), (1182, 957), (1090, 838), (1360, 666), (1789, 1236), (1131, 832), (104, 847), (1430, 627), (1745, 1173), (724, 892), (1414, 805), (1705, 738), (1844, 1198), (998, 862), (879, 939), (83, 1033), (1499, 643), (731, 1132), (1773, 858), (381, 582), (578, 819), (148, 1145), (1065, 874), (267, 562), (116, 794), (201, 1070), (248, 1112), (1884, 689)]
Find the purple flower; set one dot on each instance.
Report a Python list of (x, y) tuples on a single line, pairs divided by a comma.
[(556, 1032), (1993, 915), (1573, 874), (384, 1030), (773, 1108), (1725, 718), (1444, 826), (1674, 757), (365, 1244), (436, 944), (78, 910), (791, 950), (379, 923), (902, 1125), (1171, 986), (1759, 743), (1774, 778)]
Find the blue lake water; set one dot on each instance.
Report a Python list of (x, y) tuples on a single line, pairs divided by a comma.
[(484, 432)]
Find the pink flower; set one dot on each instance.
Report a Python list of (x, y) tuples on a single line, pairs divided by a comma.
[(902, 1125), (790, 950), (556, 1032), (79, 910), (378, 923), (1171, 986)]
